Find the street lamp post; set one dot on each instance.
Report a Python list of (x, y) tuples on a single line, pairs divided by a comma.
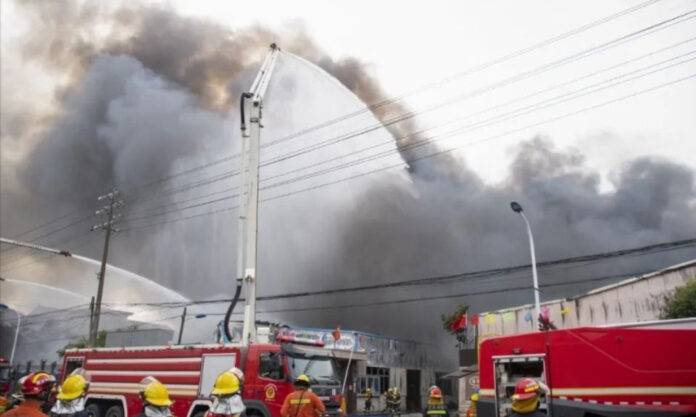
[(19, 322), (183, 321), (517, 208)]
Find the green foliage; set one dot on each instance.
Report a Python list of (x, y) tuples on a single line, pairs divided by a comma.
[(447, 320), (682, 303), (83, 342)]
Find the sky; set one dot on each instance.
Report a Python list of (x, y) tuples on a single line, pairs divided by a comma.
[(411, 44)]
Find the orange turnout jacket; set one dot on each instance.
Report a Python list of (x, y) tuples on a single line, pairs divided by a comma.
[(302, 404), (28, 408)]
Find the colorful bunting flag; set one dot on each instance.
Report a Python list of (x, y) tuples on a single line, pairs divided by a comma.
[(475, 320), (528, 316), (508, 316), (565, 310), (490, 319)]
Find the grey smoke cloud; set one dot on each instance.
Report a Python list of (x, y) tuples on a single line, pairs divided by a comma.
[(156, 97)]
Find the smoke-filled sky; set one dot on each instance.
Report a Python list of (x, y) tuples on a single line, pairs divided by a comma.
[(97, 96)]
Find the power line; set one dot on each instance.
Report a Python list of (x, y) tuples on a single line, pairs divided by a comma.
[(400, 97), (486, 273), (446, 296), (500, 118), (536, 71), (434, 154), (663, 24), (149, 213), (530, 73)]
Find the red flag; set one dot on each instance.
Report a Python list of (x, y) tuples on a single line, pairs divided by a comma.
[(336, 334), (475, 320), (460, 323)]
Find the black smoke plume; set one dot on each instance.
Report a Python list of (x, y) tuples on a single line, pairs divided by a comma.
[(152, 97)]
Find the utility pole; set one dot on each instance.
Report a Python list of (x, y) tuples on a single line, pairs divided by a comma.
[(108, 211)]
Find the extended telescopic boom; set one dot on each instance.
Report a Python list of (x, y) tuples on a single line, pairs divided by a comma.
[(252, 103)]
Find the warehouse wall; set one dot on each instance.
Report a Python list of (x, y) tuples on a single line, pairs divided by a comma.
[(633, 300)]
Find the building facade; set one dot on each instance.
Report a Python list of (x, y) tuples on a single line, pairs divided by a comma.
[(630, 301), (379, 362)]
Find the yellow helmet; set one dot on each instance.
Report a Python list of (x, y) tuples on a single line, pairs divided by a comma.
[(474, 397), (226, 383), (155, 393), (390, 390), (73, 387), (368, 390), (302, 380)]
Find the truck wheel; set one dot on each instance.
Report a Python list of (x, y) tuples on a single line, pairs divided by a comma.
[(199, 414), (114, 411), (94, 410)]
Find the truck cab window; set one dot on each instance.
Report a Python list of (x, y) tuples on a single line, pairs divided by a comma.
[(271, 366)]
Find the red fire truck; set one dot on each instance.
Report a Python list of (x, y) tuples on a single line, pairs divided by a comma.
[(594, 371), (189, 372)]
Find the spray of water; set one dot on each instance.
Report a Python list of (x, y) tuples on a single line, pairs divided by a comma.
[(25, 296), (126, 285)]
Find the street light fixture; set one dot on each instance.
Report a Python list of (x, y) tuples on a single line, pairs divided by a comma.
[(19, 322), (517, 208)]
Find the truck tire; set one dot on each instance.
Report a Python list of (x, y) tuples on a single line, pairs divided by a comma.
[(114, 411), (94, 410)]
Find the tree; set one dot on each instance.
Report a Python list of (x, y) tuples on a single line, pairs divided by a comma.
[(82, 343), (682, 303), (447, 321)]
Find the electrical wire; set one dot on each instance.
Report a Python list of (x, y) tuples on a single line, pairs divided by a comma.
[(415, 159), (536, 71), (673, 20), (393, 99), (440, 279), (516, 113)]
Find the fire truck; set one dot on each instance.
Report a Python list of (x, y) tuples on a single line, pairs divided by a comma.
[(594, 371), (189, 372)]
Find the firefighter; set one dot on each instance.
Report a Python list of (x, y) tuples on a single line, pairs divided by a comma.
[(36, 390), (227, 395), (525, 400), (3, 403), (71, 398), (436, 405), (393, 400), (302, 402), (471, 412), (368, 399), (155, 398)]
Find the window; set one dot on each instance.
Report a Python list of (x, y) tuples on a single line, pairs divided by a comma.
[(271, 366), (317, 368), (211, 368), (377, 379)]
